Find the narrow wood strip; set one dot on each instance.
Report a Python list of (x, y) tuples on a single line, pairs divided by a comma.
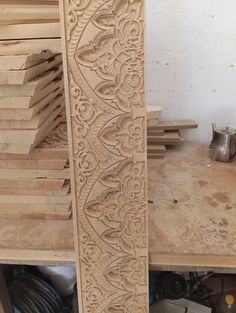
[(24, 76), (155, 156), (29, 89), (28, 31), (20, 174), (37, 257), (171, 125), (34, 164), (180, 262), (33, 46), (156, 149), (32, 183), (34, 199), (37, 207)]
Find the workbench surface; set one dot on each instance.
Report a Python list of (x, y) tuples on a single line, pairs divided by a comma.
[(192, 221)]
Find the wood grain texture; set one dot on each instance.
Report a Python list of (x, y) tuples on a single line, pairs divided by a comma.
[(104, 61), (33, 46)]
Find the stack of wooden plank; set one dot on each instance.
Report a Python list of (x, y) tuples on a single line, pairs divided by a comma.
[(31, 99), (21, 19), (162, 134), (37, 185)]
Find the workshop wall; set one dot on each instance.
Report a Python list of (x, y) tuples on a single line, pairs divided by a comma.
[(191, 61)]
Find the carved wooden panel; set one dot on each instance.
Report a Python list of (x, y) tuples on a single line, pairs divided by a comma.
[(104, 60)]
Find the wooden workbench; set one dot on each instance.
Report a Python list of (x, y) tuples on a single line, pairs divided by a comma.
[(192, 221), (198, 232)]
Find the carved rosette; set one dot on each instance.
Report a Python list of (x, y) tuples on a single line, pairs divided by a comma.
[(104, 59)]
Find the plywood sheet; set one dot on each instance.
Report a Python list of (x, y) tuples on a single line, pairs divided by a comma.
[(104, 61)]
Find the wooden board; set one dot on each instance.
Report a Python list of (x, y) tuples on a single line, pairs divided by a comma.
[(155, 132), (32, 87), (32, 46), (21, 174), (169, 138), (27, 102), (36, 121), (20, 14), (32, 183), (56, 164), (23, 199), (33, 213), (29, 136), (108, 167), (28, 31), (22, 62), (155, 156), (23, 76), (28, 114), (156, 149), (171, 125), (28, 148)]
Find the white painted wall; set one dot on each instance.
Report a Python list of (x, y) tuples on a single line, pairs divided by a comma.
[(192, 61)]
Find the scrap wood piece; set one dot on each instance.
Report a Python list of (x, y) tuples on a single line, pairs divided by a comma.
[(28, 114), (28, 31), (33, 183), (156, 149), (169, 138), (155, 132), (27, 174), (36, 121), (155, 156), (32, 46), (171, 125), (24, 199), (29, 136), (24, 76), (36, 211), (27, 102), (24, 61), (33, 86)]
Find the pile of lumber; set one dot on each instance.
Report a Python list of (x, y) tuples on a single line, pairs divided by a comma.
[(37, 185), (161, 134), (31, 99), (21, 19)]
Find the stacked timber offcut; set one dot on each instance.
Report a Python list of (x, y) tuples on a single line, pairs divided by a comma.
[(161, 134), (37, 185), (31, 99)]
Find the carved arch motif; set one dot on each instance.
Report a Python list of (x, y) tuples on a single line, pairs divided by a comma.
[(104, 61)]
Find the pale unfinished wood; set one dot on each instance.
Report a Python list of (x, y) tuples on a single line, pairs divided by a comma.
[(28, 114), (51, 164), (36, 121), (23, 76), (193, 210), (155, 156), (22, 62), (171, 125), (32, 46), (32, 87), (25, 199), (29, 136), (21, 174), (107, 138), (23, 31), (169, 138), (14, 14), (35, 211), (32, 183), (27, 102), (156, 149)]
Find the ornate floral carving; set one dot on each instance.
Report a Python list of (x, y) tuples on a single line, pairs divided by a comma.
[(116, 55), (105, 63), (122, 207), (125, 134)]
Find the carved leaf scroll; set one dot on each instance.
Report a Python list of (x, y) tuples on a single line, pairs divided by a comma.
[(104, 61)]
